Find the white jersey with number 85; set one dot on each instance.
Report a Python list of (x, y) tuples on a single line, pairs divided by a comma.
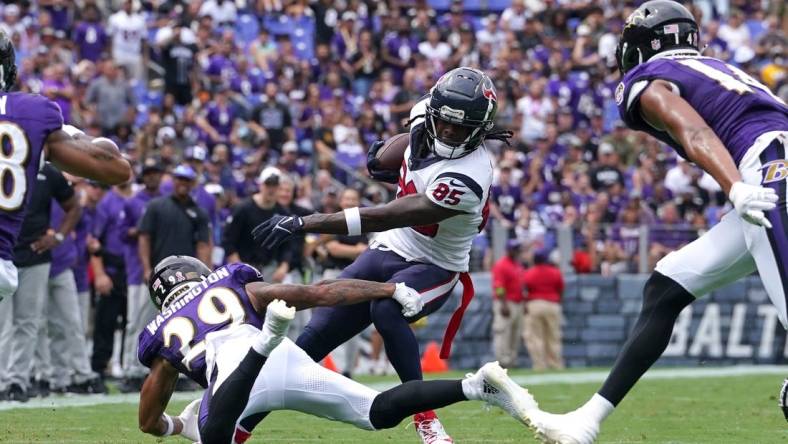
[(459, 184)]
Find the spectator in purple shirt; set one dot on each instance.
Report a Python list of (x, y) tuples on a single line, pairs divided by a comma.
[(139, 310), (108, 263), (246, 184), (90, 195), (506, 197), (90, 36), (221, 68), (344, 42), (64, 337), (218, 120), (670, 233), (626, 232), (247, 80), (398, 49), (57, 86)]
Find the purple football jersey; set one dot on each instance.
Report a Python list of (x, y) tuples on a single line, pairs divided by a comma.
[(26, 120), (178, 333), (737, 107)]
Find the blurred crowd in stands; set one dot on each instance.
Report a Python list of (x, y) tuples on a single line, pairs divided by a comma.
[(268, 106)]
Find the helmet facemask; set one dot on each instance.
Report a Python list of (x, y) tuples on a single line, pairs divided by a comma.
[(471, 133)]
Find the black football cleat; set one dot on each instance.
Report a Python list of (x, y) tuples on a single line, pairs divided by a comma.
[(17, 393)]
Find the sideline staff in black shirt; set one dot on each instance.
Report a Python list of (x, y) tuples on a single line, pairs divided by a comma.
[(237, 242), (174, 225)]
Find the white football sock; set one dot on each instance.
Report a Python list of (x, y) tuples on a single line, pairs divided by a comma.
[(264, 343), (598, 408), (470, 390)]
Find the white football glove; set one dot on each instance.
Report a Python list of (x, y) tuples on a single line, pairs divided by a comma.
[(190, 419), (410, 299), (751, 201), (277, 320)]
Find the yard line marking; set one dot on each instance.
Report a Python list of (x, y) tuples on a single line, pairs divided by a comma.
[(525, 380)]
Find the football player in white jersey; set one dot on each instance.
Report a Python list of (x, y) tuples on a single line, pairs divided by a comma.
[(441, 205)]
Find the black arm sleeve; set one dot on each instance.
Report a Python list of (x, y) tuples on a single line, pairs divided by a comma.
[(61, 188)]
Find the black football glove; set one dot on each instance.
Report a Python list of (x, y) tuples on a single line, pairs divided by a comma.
[(276, 230), (373, 165), (783, 399)]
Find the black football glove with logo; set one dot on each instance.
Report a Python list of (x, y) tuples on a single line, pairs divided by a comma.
[(373, 165), (783, 399), (276, 230)]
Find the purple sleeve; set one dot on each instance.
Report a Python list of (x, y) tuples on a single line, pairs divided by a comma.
[(244, 273), (100, 220), (131, 219), (628, 91), (51, 117), (149, 347)]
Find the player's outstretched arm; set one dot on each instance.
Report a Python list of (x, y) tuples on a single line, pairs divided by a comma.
[(333, 292), (79, 156), (665, 110), (409, 211), (154, 397)]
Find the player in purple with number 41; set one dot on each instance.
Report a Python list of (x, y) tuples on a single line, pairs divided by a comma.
[(734, 128)]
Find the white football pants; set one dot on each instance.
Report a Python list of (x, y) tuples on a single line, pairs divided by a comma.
[(289, 380), (734, 248)]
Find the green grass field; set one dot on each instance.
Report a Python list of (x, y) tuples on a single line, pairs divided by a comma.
[(711, 409)]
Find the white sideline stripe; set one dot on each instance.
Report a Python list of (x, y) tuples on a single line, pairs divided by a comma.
[(525, 380)]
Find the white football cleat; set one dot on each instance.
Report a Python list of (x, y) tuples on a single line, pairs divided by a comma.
[(430, 429), (571, 428), (493, 386)]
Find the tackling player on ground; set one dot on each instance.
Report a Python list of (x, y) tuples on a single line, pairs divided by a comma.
[(441, 206), (734, 128), (226, 331)]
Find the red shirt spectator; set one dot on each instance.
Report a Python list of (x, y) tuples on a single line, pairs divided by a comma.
[(544, 281), (507, 274)]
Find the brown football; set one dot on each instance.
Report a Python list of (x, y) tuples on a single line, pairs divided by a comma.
[(392, 152)]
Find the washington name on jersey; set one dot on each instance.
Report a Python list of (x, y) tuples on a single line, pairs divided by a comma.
[(459, 184), (735, 106), (178, 334)]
